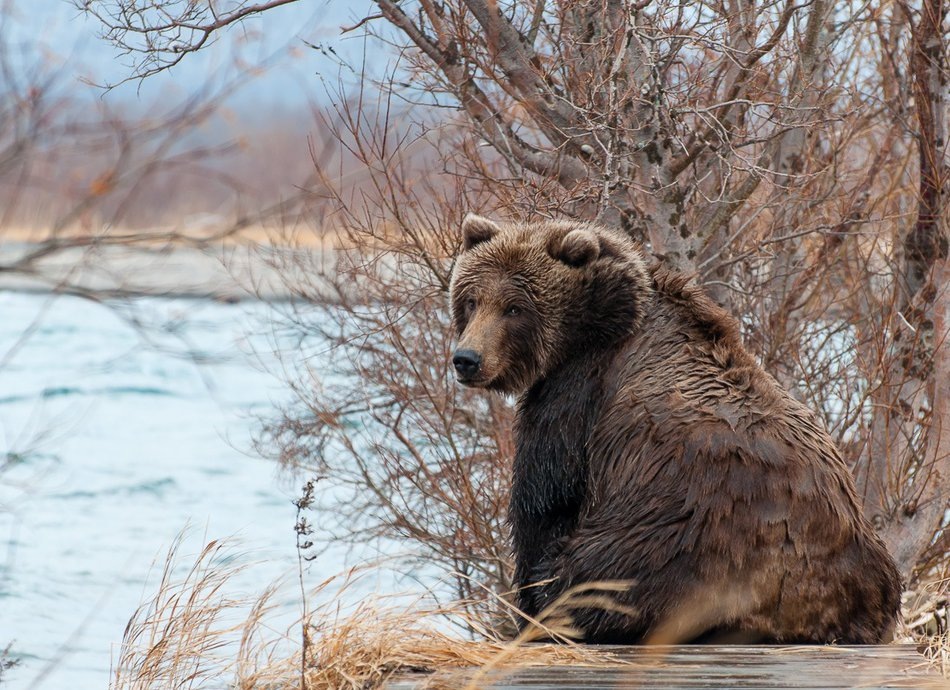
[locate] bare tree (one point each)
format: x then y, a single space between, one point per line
637 111
908 471
82 175
790 154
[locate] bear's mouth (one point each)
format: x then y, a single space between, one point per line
473 381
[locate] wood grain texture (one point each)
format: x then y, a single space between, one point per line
877 666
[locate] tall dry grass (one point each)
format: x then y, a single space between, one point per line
192 632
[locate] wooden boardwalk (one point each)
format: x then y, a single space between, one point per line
884 666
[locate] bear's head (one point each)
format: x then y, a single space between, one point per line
528 297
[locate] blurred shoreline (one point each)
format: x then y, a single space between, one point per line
226 272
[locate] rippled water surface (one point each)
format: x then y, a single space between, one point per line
121 444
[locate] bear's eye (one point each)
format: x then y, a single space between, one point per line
512 310
469 305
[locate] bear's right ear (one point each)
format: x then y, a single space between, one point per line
578 248
477 229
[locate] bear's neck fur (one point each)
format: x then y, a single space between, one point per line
614 298
556 416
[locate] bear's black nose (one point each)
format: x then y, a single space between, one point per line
466 363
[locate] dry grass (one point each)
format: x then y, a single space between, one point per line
368 645
936 650
365 650
185 232
926 620
197 233
192 634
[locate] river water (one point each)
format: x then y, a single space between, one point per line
120 442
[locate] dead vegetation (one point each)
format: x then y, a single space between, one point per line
194 632
189 631
82 176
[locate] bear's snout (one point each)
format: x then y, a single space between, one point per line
467 363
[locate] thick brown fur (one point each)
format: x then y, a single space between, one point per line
653 449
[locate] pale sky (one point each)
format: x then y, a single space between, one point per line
56 32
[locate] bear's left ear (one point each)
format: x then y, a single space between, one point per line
477 229
578 248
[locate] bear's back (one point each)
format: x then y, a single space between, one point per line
696 441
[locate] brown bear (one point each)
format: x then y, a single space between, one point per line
653 450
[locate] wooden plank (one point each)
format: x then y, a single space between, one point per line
690 667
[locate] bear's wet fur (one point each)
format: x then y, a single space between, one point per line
653 450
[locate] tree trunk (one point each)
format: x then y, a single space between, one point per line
906 478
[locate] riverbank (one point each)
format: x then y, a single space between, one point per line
226 272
